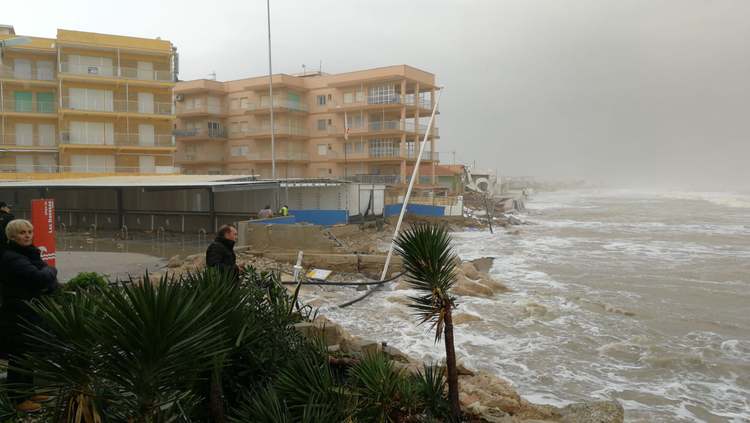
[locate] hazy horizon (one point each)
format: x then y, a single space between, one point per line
651 93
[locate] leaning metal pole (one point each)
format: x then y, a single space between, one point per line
270 94
411 185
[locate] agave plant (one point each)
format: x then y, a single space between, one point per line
430 265
382 389
430 389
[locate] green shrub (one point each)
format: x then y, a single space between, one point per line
85 281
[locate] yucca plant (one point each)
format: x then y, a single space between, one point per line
430 265
382 389
430 387
67 355
156 340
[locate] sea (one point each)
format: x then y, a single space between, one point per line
639 296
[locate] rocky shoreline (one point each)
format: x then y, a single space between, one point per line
483 395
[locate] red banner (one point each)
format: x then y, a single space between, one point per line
43 219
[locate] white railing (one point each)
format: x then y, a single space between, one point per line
34 73
24 169
374 179
27 140
117 106
290 156
119 139
266 131
28 106
200 133
200 109
116 72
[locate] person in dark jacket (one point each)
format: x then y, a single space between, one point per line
220 254
5 218
23 277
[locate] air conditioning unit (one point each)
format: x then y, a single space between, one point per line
179 97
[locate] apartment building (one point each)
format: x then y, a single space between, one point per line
363 126
86 102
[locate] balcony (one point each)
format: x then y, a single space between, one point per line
184 111
43 75
44 108
384 154
382 127
27 141
118 72
280 156
373 179
97 105
200 134
198 157
279 105
265 132
116 140
382 100
84 169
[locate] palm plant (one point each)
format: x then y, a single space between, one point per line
382 389
430 265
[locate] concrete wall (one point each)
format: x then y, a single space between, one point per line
284 237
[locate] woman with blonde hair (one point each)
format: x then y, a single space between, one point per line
24 277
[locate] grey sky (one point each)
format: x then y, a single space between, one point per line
629 91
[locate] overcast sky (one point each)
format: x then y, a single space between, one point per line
625 91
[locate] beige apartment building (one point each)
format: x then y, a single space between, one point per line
86 103
364 125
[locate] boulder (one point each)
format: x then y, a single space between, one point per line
175 261
468 269
593 412
469 287
463 318
483 265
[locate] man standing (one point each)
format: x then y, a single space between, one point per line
220 254
5 217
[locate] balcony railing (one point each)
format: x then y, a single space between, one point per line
28 106
29 74
281 130
116 72
374 179
117 106
117 140
200 133
277 104
84 169
374 153
27 140
183 109
197 156
403 99
289 156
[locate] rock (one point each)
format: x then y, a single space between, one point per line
463 318
468 269
468 287
175 261
395 354
496 286
463 371
483 265
371 348
593 412
467 399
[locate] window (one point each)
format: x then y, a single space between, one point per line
322 149
45 102
384 147
321 100
239 151
348 98
244 103
355 121
382 94
23 101
244 127
321 125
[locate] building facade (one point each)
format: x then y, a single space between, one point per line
86 103
362 126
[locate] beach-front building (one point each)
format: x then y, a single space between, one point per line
86 103
363 125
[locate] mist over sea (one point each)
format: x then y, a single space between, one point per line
634 295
